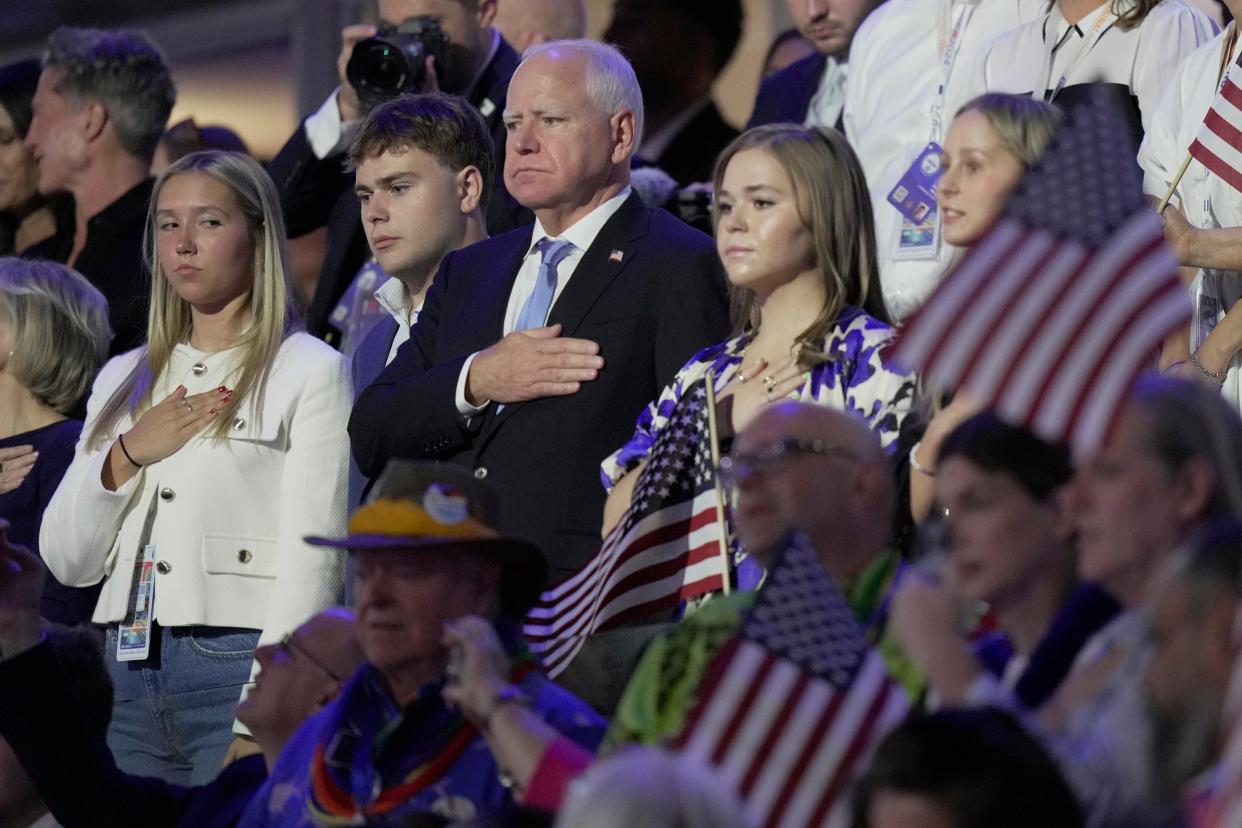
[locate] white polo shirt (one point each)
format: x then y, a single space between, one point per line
895 74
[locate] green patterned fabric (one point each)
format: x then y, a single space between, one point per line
661 693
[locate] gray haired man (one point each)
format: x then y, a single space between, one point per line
102 102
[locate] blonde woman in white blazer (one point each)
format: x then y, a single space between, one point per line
209 452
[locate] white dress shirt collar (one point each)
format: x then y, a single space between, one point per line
582 233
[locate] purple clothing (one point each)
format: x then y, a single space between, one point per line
23 509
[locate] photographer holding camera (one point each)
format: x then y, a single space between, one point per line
420 46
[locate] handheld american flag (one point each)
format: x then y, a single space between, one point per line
664 551
791 708
1218 145
1050 317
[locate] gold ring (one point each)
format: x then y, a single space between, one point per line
769 382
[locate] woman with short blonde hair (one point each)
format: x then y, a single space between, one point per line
209 453
53 337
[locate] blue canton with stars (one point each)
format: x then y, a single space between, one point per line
801 615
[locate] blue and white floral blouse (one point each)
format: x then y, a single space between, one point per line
855 378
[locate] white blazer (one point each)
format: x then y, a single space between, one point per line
226 517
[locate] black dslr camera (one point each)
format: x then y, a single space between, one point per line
394 61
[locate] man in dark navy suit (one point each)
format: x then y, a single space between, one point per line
315 189
536 350
56 699
812 90
423 175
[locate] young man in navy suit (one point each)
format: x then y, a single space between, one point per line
536 350
316 191
423 175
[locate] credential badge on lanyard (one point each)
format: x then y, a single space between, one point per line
133 640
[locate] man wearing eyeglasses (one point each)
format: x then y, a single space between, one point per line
795 467
66 757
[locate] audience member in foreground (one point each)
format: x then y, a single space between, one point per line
1194 657
793 229
1010 528
426 554
1172 464
59 737
796 467
207 454
86 700
53 338
650 787
963 769
99 110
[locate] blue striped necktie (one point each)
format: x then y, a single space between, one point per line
534 313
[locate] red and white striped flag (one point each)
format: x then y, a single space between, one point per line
665 550
1051 316
792 707
1219 143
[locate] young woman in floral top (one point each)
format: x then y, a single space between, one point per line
795 232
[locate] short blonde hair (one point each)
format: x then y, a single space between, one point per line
57 327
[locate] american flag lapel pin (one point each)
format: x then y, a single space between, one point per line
616 256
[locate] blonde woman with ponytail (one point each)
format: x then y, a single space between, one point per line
207 455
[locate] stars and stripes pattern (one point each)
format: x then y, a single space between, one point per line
1218 146
665 550
792 707
1050 317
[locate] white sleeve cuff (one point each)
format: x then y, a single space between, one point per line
326 132
464 408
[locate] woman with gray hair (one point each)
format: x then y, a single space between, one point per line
53 337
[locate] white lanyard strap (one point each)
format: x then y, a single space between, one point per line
1102 24
950 44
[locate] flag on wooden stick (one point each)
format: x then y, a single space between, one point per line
792 707
1051 316
665 550
1218 145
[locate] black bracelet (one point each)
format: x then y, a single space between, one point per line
120 439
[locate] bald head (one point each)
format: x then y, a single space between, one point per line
334 634
818 470
299 676
526 23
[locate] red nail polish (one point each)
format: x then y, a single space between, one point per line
222 388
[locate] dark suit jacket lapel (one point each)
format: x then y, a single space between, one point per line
600 265
603 261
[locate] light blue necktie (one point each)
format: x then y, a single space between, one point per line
535 312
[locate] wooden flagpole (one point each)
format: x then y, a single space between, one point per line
726 570
1226 52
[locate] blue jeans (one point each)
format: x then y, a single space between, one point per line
172 716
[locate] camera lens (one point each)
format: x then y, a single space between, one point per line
380 68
